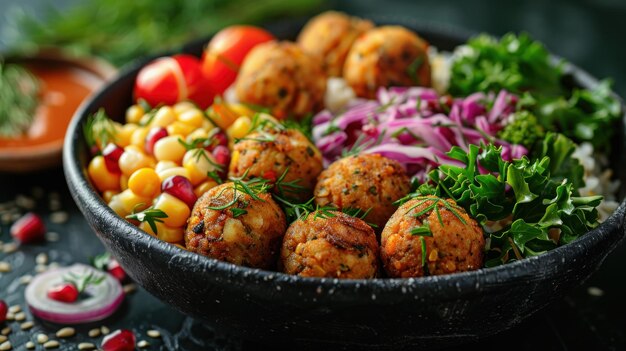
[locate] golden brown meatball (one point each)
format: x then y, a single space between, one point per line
335 247
453 241
279 75
387 56
365 182
330 36
269 153
237 229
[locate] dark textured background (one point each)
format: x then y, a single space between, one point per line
588 33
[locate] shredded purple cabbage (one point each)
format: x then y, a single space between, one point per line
416 126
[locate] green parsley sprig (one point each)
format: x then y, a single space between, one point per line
150 215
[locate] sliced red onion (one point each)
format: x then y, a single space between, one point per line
104 298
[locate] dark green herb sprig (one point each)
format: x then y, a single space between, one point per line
19 98
532 198
240 185
121 31
150 215
101 261
361 144
99 129
82 281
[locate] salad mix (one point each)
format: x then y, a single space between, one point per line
318 157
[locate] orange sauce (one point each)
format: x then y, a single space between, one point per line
63 88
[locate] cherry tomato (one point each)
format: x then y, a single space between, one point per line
168 80
226 51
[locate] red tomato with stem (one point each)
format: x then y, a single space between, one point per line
226 51
171 79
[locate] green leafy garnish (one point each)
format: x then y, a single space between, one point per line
531 198
82 281
523 66
19 98
101 261
150 216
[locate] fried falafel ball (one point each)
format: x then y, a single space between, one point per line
452 241
230 225
387 56
271 152
369 182
281 76
330 35
332 245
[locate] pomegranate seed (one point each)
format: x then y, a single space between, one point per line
29 228
181 188
154 135
112 155
3 311
64 292
221 154
114 268
119 340
220 139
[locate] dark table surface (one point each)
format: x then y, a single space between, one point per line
591 317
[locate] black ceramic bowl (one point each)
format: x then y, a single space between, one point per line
271 306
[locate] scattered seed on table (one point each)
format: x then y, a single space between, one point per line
40 268
10 317
5 267
25 202
5 218
54 205
65 332
595 291
41 258
52 236
104 330
59 217
15 309
5 346
129 288
25 279
53 265
86 346
94 333
52 344
20 316
143 344
2 339
42 338
9 248
30 345
154 334
5 331
27 325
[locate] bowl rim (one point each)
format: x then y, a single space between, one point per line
90 201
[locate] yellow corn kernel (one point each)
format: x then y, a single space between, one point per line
179 128
126 202
181 171
199 162
108 195
234 158
207 125
138 138
177 211
99 174
134 114
123 182
222 115
240 128
183 106
163 117
132 159
241 109
193 117
163 165
169 149
145 182
124 134
163 232
203 187
199 133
